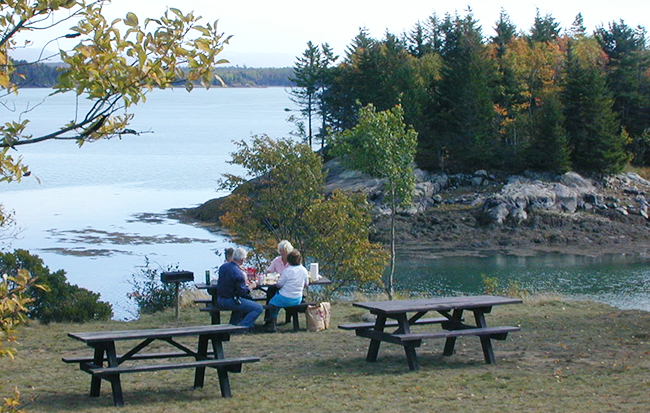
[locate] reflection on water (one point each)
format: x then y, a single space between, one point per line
619 280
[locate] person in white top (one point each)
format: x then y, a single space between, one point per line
290 286
279 263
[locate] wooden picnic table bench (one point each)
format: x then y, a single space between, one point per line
106 364
291 313
452 323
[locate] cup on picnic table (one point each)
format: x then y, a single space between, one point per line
313 271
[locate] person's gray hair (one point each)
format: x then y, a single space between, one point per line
239 255
285 246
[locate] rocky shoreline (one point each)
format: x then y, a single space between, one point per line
480 214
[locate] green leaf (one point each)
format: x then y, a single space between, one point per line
131 20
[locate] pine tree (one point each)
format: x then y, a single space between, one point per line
627 70
306 74
505 31
354 81
545 28
578 28
416 40
435 29
377 72
549 148
595 139
463 120
324 82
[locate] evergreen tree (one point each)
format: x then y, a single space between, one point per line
628 77
435 30
505 31
463 109
545 28
595 139
324 82
377 72
549 148
578 28
306 74
354 81
417 43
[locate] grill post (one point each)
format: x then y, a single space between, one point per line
177 277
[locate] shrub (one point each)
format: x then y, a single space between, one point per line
513 289
13 299
63 301
149 293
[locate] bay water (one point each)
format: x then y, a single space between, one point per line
99 210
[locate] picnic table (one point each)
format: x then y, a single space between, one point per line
453 325
269 291
106 364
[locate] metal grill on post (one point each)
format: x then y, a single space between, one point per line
177 277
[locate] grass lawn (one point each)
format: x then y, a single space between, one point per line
569 357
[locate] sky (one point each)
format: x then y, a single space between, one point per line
272 33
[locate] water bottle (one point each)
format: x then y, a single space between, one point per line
207 276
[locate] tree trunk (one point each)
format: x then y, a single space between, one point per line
310 105
322 134
393 207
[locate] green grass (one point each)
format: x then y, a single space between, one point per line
568 357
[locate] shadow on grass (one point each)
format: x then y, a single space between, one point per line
396 364
149 397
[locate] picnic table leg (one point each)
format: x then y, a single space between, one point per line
486 343
96 381
215 317
411 357
270 292
373 349
409 348
222 373
450 342
199 373
293 314
116 382
287 319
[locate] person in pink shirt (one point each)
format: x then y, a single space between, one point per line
280 263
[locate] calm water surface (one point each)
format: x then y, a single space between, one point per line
619 280
86 214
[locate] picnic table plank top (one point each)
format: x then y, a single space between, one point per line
435 304
98 336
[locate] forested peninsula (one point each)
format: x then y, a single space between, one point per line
45 75
528 141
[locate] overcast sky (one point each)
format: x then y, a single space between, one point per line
273 33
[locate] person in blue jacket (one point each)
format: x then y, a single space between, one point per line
233 292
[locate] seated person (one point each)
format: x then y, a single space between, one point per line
233 293
228 252
280 263
290 285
